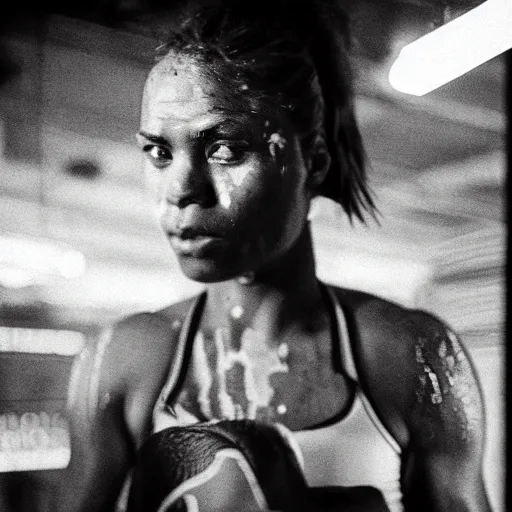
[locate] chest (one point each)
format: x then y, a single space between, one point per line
353 452
291 381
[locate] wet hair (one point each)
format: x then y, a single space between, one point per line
289 55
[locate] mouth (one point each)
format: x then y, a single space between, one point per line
192 243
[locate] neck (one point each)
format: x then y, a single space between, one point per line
279 296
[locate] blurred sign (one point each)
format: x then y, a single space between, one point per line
41 341
33 441
35 366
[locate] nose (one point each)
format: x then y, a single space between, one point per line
187 182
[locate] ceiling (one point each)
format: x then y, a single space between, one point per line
437 168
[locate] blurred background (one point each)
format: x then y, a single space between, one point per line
79 245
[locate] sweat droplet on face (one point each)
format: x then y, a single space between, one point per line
275 141
238 175
224 193
225 199
225 187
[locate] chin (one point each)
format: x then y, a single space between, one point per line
207 271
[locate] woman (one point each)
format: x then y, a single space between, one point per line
246 117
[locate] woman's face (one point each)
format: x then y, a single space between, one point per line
230 186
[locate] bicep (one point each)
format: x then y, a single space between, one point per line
97 470
443 460
443 482
100 447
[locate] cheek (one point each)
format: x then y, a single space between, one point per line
248 193
240 188
281 188
248 186
268 204
225 188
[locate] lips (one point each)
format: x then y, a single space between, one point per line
191 233
192 242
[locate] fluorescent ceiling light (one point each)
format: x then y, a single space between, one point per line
453 49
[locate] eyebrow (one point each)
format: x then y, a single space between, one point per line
157 139
223 126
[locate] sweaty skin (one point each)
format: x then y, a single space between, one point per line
211 170
233 189
444 379
236 372
239 191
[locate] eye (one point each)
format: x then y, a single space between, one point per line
226 153
159 155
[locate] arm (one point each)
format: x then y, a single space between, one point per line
100 446
442 462
113 389
425 390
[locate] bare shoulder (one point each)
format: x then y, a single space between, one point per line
416 369
386 331
113 388
140 342
126 352
145 329
117 378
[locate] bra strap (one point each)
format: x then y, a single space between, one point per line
349 366
347 358
179 363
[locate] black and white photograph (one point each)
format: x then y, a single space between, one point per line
252 255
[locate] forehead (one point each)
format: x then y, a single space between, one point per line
177 83
181 82
181 98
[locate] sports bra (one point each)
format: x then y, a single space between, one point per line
352 449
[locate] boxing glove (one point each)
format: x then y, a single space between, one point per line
225 466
